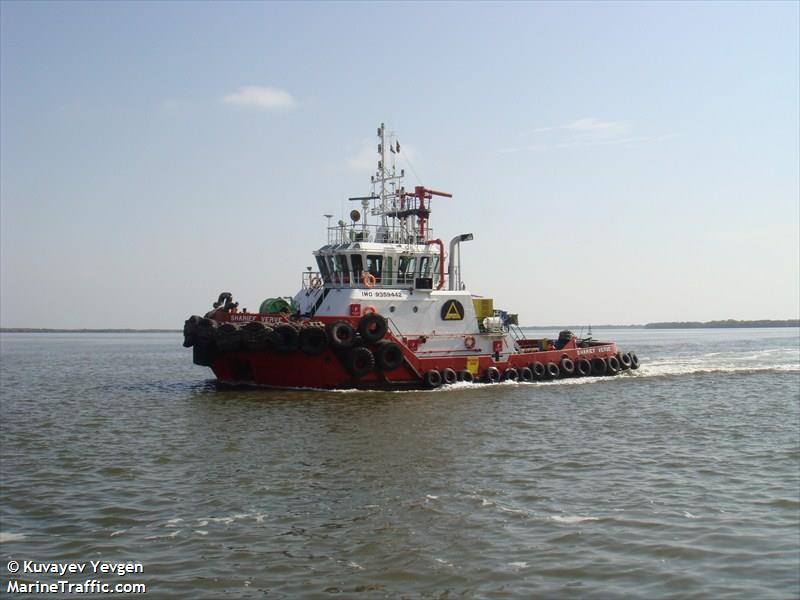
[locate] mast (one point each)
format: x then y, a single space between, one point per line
382 173
386 177
408 211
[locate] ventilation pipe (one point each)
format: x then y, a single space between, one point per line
464 237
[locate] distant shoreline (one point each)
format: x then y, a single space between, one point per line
727 324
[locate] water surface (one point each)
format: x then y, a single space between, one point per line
681 480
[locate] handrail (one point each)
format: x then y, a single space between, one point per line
393 325
383 234
516 332
396 283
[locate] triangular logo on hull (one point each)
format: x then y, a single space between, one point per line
452 311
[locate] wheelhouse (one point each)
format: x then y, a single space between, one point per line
389 265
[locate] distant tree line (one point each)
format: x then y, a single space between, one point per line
728 323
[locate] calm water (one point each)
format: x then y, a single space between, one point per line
681 480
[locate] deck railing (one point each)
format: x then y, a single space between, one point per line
390 234
314 279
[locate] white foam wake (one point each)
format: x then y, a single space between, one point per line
571 519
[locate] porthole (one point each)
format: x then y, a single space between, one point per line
391 309
416 309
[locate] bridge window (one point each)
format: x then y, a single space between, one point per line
358 266
424 266
332 269
405 272
323 269
342 268
374 265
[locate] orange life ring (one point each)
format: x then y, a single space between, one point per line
316 282
368 309
369 280
469 342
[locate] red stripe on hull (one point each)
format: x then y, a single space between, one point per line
298 370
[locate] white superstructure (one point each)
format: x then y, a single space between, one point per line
385 259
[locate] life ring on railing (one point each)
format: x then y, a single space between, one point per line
316 282
469 342
368 309
369 280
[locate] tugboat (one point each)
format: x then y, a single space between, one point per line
386 309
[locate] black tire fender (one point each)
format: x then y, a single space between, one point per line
313 340
229 338
388 355
492 375
372 327
538 370
255 335
583 367
206 329
190 331
341 335
432 378
359 361
599 366
567 367
286 338
553 372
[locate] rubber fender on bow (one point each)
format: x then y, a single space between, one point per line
206 329
226 329
510 374
313 340
613 365
190 331
286 338
230 338
525 375
256 336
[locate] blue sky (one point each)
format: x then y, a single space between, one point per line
617 162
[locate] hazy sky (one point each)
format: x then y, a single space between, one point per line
617 163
